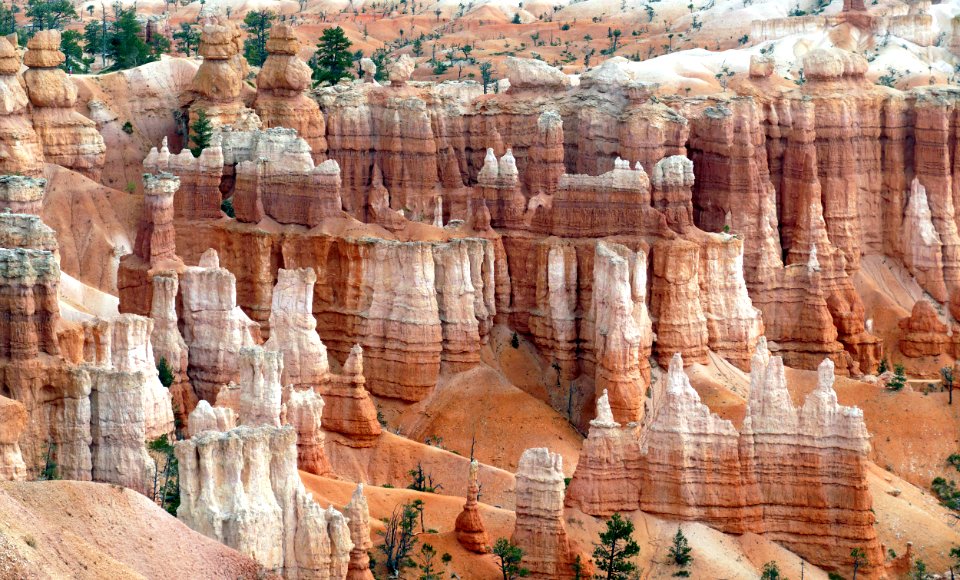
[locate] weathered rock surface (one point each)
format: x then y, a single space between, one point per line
214 327
358 517
199 194
540 530
242 489
469 525
22 194
68 138
922 333
21 152
794 474
218 84
281 91
303 411
13 420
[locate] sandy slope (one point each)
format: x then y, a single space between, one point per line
71 529
482 402
95 225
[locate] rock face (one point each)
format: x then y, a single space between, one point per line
168 343
303 411
922 333
921 242
207 418
13 418
293 330
68 138
214 327
21 152
350 410
623 334
797 475
84 401
199 194
22 194
276 177
242 489
218 83
469 525
606 479
540 530
281 91
155 248
260 390
358 516
681 325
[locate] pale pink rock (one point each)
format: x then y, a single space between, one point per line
540 530
358 516
303 411
242 489
215 328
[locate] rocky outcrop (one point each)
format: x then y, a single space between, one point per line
303 411
921 243
218 84
207 418
672 194
68 138
260 391
358 516
677 308
469 525
21 152
734 325
623 334
922 333
796 475
281 91
155 248
607 477
214 327
22 194
350 410
13 420
276 177
242 489
199 194
540 530
293 330
168 343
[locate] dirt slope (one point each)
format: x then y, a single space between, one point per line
82 530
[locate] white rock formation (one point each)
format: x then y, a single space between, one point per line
242 489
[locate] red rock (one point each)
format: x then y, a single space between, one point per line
69 139
540 530
469 525
675 296
922 333
281 91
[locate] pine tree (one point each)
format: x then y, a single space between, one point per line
486 74
124 44
399 539
187 38
165 372
615 550
49 14
899 379
70 46
257 24
8 23
333 59
509 557
201 132
771 572
680 553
